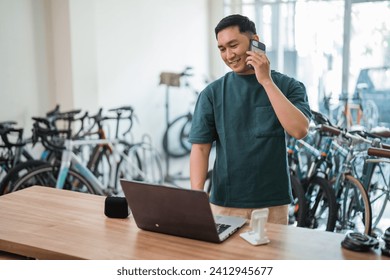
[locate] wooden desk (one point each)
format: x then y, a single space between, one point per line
46 223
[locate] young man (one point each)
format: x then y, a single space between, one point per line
247 112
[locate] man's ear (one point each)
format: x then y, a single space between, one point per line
256 37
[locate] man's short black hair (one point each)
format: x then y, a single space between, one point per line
243 23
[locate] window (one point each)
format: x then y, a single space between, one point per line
305 39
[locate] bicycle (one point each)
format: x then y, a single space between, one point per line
73 174
312 192
376 179
180 126
372 173
99 156
12 152
326 169
19 159
175 139
354 207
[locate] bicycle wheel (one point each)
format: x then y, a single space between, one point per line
124 170
379 191
354 213
321 205
141 163
47 176
209 181
99 164
185 134
298 208
17 172
172 140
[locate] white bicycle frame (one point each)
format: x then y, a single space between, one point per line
70 158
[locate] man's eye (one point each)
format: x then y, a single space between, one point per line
234 46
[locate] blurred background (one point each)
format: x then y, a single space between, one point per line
91 54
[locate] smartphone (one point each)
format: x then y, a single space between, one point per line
257 46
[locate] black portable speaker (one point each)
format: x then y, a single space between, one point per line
116 207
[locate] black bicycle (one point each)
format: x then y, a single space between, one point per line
175 140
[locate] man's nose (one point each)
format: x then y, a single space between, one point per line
230 54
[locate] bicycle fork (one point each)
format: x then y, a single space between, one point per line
65 164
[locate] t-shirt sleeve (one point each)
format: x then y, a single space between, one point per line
203 123
298 96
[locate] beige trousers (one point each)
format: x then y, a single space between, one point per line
276 215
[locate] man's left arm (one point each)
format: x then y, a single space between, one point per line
291 118
294 122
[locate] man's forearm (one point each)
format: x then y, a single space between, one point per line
199 163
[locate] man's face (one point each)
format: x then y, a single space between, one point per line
233 46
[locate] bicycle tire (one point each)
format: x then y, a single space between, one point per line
378 192
354 207
185 134
321 205
175 148
47 176
209 181
121 171
298 208
6 185
142 164
100 165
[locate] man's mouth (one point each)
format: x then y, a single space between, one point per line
234 62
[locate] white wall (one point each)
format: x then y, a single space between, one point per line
99 53
24 79
136 41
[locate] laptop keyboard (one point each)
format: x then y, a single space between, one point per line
222 227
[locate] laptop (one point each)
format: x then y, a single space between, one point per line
177 211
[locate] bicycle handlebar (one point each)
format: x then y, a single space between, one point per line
99 118
330 129
51 138
378 152
130 117
53 112
358 138
7 124
320 118
4 136
67 116
122 109
186 72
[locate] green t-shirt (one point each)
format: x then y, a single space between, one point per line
250 169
